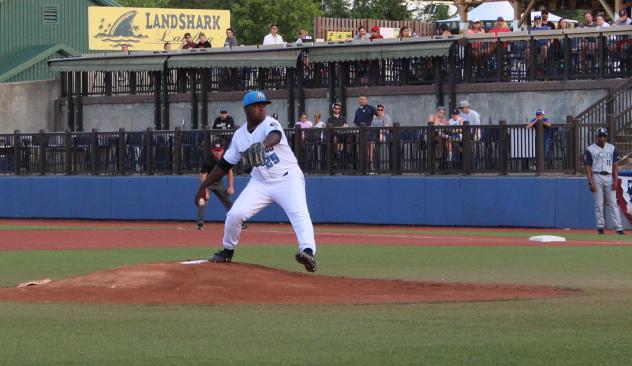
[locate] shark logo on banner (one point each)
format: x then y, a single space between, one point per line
624 196
148 29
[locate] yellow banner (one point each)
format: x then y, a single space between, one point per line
148 29
339 36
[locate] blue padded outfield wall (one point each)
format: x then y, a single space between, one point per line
560 202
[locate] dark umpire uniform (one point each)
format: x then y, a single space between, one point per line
218 188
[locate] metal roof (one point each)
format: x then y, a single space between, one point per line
16 63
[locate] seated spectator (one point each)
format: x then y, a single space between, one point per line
623 18
445 30
438 117
456 136
361 35
472 117
500 27
303 121
125 48
273 37
203 43
303 36
404 32
230 40
166 46
336 119
545 20
318 123
601 22
375 33
187 42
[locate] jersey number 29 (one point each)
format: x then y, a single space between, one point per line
271 160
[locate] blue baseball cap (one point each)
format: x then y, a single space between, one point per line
601 131
255 97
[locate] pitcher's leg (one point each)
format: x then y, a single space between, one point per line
290 195
253 199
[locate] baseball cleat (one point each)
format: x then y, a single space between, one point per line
601 231
244 226
620 232
223 256
307 260
200 226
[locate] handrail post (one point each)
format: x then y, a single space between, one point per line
120 157
68 152
432 151
94 145
177 168
149 142
539 148
396 162
467 148
612 128
503 148
42 151
331 149
574 142
362 148
17 149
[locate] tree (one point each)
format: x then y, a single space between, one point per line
381 9
336 9
251 19
179 4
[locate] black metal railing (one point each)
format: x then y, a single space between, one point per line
488 149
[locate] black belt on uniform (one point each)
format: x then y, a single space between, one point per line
602 173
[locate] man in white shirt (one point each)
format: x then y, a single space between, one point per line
273 37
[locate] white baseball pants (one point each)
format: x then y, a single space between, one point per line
288 192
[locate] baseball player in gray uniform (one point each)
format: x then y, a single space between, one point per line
275 177
601 159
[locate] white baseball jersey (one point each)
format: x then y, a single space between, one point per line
280 159
601 159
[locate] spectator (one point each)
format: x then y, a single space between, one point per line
166 46
381 119
218 188
273 37
230 40
375 33
445 30
224 121
588 20
563 24
468 114
476 27
500 27
404 32
438 117
456 136
548 132
125 48
602 171
545 20
303 121
318 123
538 24
303 36
187 42
361 35
543 43
365 112
601 22
623 18
203 42
336 119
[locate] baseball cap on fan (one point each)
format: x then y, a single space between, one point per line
255 97
539 112
217 146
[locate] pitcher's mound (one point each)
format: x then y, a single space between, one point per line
240 283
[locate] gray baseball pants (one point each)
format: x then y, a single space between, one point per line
603 192
222 193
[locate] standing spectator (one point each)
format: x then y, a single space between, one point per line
602 171
375 33
361 35
480 50
601 22
548 132
381 119
563 24
224 121
445 30
230 40
187 42
125 48
623 18
166 46
336 119
303 121
538 24
588 20
476 27
543 44
203 43
303 36
273 37
438 118
472 117
365 112
404 32
318 123
545 20
217 151
500 27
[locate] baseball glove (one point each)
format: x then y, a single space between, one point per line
254 156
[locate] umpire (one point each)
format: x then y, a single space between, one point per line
217 151
601 159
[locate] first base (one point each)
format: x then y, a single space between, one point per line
546 238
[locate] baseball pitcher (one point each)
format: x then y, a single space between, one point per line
275 177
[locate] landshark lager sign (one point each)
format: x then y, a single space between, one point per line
148 29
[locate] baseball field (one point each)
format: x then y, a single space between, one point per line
382 295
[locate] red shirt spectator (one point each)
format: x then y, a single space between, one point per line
188 42
500 27
375 33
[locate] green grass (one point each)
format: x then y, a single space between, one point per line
593 328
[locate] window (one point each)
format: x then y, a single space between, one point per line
50 14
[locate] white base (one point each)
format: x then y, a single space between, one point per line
546 238
197 261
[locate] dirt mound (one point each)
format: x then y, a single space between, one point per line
239 283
